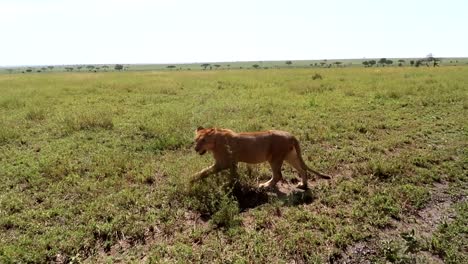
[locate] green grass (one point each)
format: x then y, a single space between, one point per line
96 166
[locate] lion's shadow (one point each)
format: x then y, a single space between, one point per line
250 197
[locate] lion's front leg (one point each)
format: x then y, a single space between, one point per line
233 176
205 172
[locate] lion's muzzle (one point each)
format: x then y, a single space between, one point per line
200 151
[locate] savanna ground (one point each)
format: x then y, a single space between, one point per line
95 167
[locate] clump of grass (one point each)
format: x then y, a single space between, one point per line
213 197
159 137
393 251
414 196
312 102
205 196
393 95
317 76
11 103
350 93
450 240
7 134
378 209
386 204
304 88
227 215
89 121
386 169
35 114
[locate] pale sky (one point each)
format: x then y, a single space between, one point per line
45 32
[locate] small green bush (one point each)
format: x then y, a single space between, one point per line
228 214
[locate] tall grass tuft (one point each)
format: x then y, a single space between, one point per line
89 121
35 114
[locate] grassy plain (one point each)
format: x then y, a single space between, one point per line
94 167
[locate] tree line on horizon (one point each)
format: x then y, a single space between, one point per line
428 61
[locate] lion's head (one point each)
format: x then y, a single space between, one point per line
204 140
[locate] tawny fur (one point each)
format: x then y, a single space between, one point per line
230 148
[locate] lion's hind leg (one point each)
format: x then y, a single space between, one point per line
277 175
293 160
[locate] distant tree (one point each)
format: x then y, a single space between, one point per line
418 63
256 66
29 70
105 67
118 67
69 69
90 67
383 61
338 63
171 67
411 62
217 66
372 63
431 58
436 62
400 64
389 62
322 63
79 67
205 65
43 68
365 63
288 62
401 61
50 67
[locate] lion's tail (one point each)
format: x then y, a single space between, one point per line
304 165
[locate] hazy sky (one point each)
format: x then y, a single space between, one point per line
37 32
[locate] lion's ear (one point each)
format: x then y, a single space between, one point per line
199 128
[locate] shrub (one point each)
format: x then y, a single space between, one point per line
317 76
228 214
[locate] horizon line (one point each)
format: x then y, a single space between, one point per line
210 62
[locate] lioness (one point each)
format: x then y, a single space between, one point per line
229 148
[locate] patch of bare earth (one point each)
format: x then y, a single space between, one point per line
423 222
